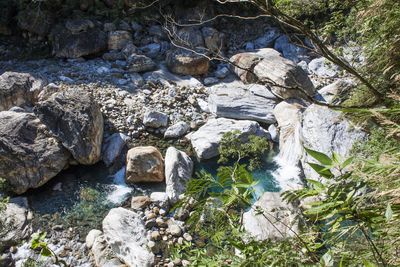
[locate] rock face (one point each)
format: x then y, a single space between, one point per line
186 63
69 45
324 129
205 140
17 218
113 146
279 214
178 171
29 155
238 103
125 232
18 88
144 164
286 79
75 119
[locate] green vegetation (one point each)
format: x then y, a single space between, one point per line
38 242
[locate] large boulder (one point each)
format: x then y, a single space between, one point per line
139 63
206 139
178 171
68 45
186 63
18 88
29 154
16 222
289 50
144 164
324 130
238 103
285 78
279 216
74 118
125 232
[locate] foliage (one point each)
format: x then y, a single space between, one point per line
4 224
38 242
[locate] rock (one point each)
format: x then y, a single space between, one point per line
144 164
186 63
158 31
29 155
125 232
324 130
187 237
176 130
155 235
101 253
181 213
78 25
139 63
150 223
222 72
117 40
213 39
210 80
18 88
151 50
108 27
75 119
284 73
113 146
35 20
16 221
249 46
160 199
113 56
237 103
136 26
178 171
155 119
68 45
290 51
268 39
161 223
129 50
279 214
274 133
323 68
140 202
175 230
190 37
91 237
205 140
153 247
335 93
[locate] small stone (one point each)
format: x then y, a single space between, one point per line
155 235
165 238
13 249
185 263
177 262
151 215
222 73
187 237
156 210
180 241
161 223
140 202
171 264
150 223
175 230
153 247
210 81
163 212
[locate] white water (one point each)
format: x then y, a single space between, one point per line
119 189
291 149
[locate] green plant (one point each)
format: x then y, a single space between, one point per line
38 242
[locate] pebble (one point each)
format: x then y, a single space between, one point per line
187 237
175 230
155 235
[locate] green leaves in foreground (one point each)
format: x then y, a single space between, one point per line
38 242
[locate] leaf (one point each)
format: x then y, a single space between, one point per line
316 185
348 162
321 157
327 259
367 263
321 170
336 157
388 213
45 252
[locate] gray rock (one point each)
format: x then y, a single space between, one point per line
322 67
125 232
91 237
18 88
136 26
237 103
249 46
335 93
139 63
270 66
222 72
190 37
29 154
274 133
210 81
290 51
186 63
140 202
324 130
176 130
178 171
78 25
74 118
175 230
268 39
117 40
155 119
102 253
151 50
113 146
68 45
205 140
113 56
279 214
160 199
213 40
144 164
158 31
16 218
